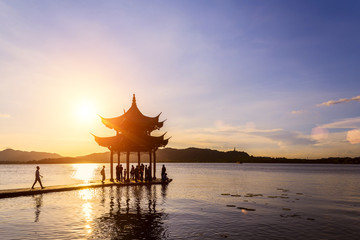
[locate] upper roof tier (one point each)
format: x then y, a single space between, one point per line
133 121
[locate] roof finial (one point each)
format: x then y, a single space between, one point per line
134 100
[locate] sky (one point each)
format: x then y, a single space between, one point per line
271 78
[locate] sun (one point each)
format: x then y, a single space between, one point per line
85 111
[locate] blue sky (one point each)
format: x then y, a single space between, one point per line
272 78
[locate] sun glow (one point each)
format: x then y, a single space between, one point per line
85 172
86 111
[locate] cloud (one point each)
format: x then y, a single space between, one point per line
342 100
245 135
319 133
285 137
4 115
344 123
297 112
350 128
353 136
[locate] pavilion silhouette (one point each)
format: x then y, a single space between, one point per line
133 134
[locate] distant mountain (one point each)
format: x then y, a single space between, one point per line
200 155
10 155
162 155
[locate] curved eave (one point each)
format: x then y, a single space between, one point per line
122 124
132 142
109 142
159 141
133 117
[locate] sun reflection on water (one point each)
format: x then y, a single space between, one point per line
84 172
87 209
86 195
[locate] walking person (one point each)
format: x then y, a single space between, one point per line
37 178
103 174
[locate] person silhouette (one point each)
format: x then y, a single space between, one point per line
121 171
37 178
163 173
103 174
118 173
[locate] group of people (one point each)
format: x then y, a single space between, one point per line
136 173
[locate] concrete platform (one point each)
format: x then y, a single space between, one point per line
8 193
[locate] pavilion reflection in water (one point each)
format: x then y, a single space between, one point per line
128 212
133 214
133 134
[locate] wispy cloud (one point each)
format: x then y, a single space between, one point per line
342 100
285 137
297 112
4 115
246 135
349 131
344 123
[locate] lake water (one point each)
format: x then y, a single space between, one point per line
204 201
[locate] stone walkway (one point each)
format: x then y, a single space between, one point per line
61 188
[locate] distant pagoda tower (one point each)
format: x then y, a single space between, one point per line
133 134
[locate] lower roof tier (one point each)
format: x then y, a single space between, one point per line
132 142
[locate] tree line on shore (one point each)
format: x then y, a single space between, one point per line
165 155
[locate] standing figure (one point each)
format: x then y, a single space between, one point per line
118 173
103 174
142 172
37 178
132 172
121 172
163 173
149 174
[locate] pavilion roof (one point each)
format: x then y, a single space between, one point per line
133 121
132 142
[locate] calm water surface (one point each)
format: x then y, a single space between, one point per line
204 201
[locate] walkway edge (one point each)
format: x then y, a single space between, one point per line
9 193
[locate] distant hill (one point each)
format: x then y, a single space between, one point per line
10 155
162 155
200 155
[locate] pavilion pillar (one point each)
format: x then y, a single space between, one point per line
118 153
111 166
150 162
127 165
139 159
154 164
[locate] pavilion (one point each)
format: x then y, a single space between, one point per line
133 134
